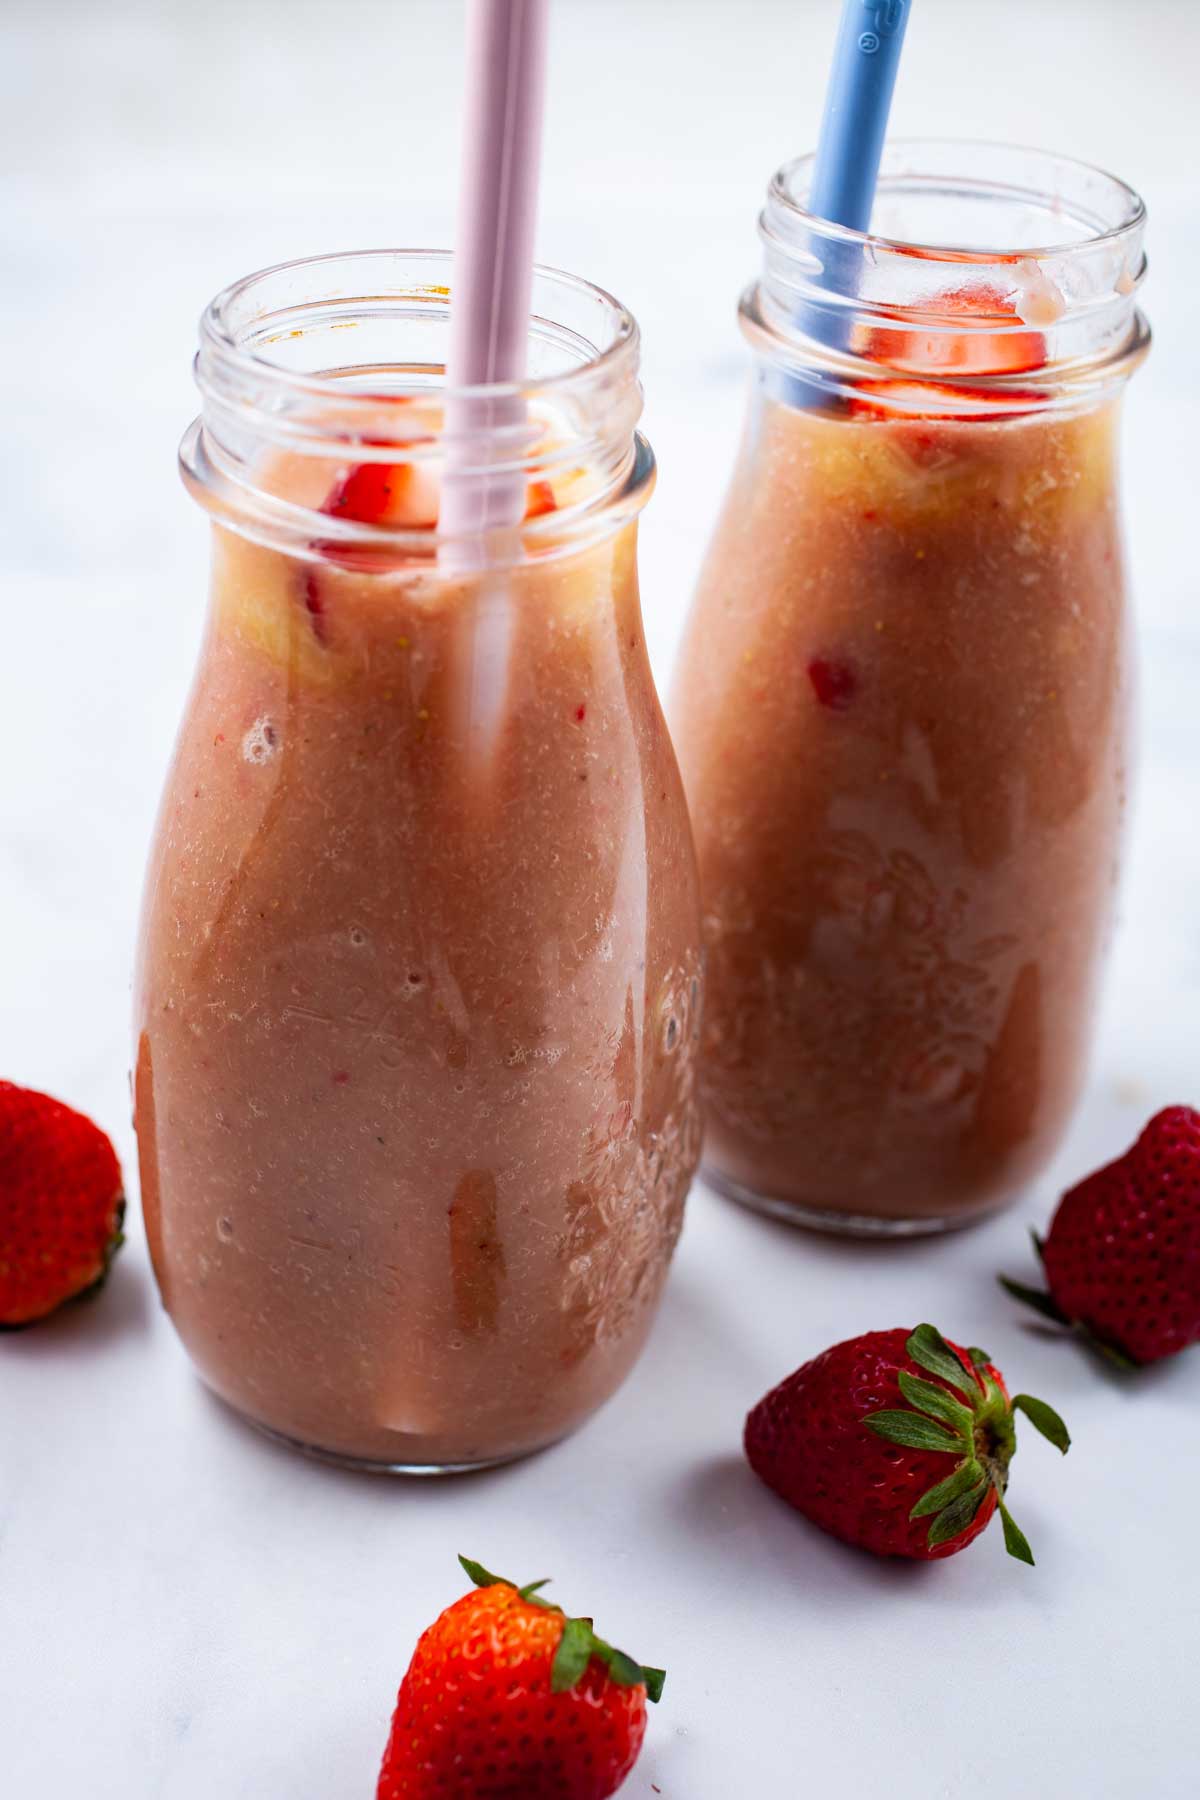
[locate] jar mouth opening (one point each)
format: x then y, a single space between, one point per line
1103 208
580 334
327 417
985 264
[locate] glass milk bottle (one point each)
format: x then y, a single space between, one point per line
901 708
419 976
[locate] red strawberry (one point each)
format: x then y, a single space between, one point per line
406 495
867 1446
834 683
540 500
1005 351
508 1699
909 400
373 493
927 354
396 496
61 1205
1122 1258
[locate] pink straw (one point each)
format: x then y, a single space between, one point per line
493 264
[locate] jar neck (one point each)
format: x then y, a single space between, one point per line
327 426
995 280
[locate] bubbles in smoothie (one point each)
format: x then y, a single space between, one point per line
260 742
225 1229
358 937
606 928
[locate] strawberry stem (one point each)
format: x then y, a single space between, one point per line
1049 1309
1034 1297
1015 1541
578 1643
978 1429
1043 1418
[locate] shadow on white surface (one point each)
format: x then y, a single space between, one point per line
258 1440
724 1499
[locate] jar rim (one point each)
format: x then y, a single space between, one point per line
1132 217
276 374
221 337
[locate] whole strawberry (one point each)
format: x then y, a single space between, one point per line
61 1205
508 1699
898 1442
1122 1257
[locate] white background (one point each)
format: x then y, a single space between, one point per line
188 1613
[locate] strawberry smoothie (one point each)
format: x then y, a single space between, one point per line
419 986
901 710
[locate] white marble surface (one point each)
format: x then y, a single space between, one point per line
186 1611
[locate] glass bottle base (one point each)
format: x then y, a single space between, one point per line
367 1465
839 1224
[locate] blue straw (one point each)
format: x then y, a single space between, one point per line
846 167
861 84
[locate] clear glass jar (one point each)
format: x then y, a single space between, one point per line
901 706
419 975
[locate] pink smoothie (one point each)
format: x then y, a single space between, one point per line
901 715
418 1021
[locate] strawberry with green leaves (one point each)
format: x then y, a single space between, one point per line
506 1696
898 1442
